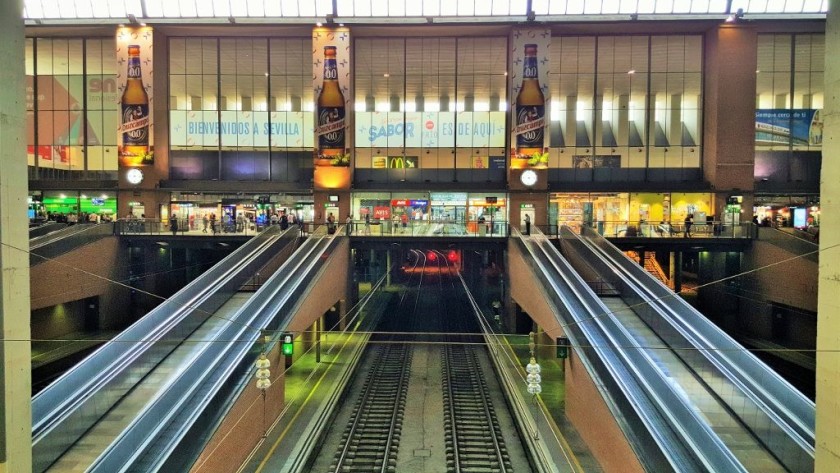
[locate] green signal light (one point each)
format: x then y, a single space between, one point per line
288 348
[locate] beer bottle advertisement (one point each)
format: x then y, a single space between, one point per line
331 83
529 57
134 55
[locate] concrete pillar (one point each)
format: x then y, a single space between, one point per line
731 57
15 353
676 270
642 258
828 318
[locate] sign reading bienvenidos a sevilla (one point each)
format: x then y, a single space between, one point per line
134 81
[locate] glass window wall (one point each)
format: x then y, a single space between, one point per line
436 102
71 104
241 108
626 102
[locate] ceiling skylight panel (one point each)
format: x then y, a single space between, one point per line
322 7
289 8
272 9
256 8
84 9
67 9
362 8
431 7
574 7
154 8
396 7
34 9
187 8
51 9
448 8
776 6
540 7
414 8
466 7
593 8
664 7
754 6
171 9
646 6
794 6
306 8
610 7
484 8
238 8
221 8
134 7
682 6
518 7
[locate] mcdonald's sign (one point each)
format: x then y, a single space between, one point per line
402 162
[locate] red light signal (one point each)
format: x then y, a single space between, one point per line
452 256
432 256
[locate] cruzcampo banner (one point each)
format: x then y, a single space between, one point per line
797 127
135 74
529 96
332 83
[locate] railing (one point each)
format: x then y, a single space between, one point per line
665 432
151 226
173 429
426 228
777 414
68 238
625 229
67 408
789 242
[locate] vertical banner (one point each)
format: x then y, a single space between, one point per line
331 80
529 97
134 79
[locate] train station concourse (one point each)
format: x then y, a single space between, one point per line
419 236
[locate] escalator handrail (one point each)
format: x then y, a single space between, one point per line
213 365
109 373
783 404
702 443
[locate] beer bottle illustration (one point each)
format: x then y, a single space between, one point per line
530 109
135 114
330 128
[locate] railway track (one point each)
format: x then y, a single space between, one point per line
474 442
372 439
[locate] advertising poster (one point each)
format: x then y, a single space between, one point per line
135 74
61 123
597 161
797 127
529 96
191 128
331 80
430 129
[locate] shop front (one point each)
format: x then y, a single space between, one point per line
85 207
630 214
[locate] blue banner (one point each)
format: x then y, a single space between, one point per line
797 127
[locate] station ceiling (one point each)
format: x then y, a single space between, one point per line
408 11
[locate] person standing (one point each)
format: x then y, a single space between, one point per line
204 221
284 221
367 223
348 228
173 224
689 220
527 224
330 223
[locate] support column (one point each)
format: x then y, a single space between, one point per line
828 310
642 256
15 353
676 268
